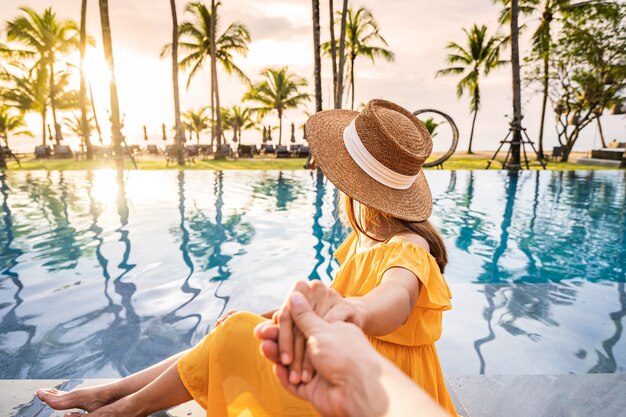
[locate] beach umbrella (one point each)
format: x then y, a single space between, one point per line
269 133
304 133
145 133
164 135
293 133
264 134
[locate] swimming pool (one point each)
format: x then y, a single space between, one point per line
103 273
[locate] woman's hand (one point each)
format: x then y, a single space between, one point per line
224 317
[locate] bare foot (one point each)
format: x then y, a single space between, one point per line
88 399
116 409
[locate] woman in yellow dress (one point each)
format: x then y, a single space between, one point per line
390 284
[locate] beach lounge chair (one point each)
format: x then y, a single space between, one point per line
245 151
294 149
282 152
192 150
223 152
63 152
255 150
303 151
268 149
152 150
557 152
42 151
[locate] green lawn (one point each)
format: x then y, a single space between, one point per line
462 161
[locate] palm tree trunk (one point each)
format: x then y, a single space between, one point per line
342 54
601 132
3 162
316 55
333 50
178 138
214 72
516 124
280 128
116 129
57 129
544 103
43 125
95 116
469 148
84 120
352 59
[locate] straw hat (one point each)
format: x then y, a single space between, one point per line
375 157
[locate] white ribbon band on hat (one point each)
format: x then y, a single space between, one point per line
371 165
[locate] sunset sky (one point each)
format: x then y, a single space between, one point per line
416 30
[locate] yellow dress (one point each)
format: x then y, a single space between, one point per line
227 375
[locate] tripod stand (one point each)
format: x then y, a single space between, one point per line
525 141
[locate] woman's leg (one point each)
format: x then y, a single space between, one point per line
92 398
164 392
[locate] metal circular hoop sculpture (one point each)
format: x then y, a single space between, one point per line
455 137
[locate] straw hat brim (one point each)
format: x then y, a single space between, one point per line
324 131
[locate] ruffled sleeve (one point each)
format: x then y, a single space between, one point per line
344 249
434 291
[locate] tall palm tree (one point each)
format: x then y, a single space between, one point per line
548 11
317 55
516 123
482 53
179 135
333 48
11 123
28 92
279 91
197 120
116 126
238 119
85 130
361 31
47 39
196 42
342 54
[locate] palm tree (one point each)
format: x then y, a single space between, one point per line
542 42
481 54
316 55
238 118
28 92
342 54
47 39
10 123
75 125
85 134
333 49
196 41
116 127
197 120
280 91
361 31
179 136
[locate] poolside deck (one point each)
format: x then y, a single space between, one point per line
591 395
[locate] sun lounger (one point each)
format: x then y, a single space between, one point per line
63 152
282 152
223 152
303 151
152 150
268 149
245 151
42 151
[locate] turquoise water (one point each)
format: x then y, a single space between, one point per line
103 273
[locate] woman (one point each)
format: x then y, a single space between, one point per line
390 284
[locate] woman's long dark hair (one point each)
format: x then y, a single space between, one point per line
375 219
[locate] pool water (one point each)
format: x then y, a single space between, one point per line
103 273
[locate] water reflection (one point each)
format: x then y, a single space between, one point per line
106 272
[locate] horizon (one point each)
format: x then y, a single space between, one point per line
281 35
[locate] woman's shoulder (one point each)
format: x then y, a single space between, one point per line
410 237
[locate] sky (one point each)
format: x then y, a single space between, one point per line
417 31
